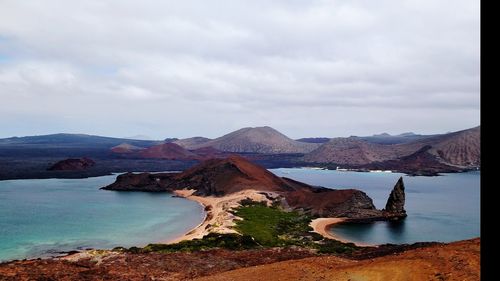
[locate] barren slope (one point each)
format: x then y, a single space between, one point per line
257 140
460 148
455 261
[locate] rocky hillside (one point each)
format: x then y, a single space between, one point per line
455 261
256 140
421 162
222 177
350 151
460 149
167 151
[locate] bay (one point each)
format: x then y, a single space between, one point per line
444 208
41 217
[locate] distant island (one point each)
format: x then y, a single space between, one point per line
409 153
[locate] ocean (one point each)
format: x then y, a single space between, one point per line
42 217
444 208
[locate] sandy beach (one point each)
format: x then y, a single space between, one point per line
218 219
322 225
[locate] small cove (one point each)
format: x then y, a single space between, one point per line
444 208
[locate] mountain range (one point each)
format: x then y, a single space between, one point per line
457 149
408 152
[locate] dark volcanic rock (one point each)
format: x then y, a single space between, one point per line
325 202
396 202
141 182
72 164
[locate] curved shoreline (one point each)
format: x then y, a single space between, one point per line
218 219
323 225
184 236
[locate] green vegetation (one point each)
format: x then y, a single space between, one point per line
261 226
274 227
212 240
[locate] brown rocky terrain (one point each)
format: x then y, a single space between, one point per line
461 148
431 261
72 164
351 151
220 177
421 162
170 151
210 152
256 140
454 261
447 152
224 176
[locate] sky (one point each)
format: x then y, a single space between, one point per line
205 68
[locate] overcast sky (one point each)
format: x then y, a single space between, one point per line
186 68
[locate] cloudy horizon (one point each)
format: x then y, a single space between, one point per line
306 68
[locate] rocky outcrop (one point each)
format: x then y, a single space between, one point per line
325 202
72 164
220 177
396 203
148 182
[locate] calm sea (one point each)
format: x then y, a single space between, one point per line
444 208
43 217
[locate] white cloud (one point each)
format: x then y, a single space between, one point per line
308 68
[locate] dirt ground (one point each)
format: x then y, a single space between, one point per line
455 261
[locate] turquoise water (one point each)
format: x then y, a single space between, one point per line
43 217
444 208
